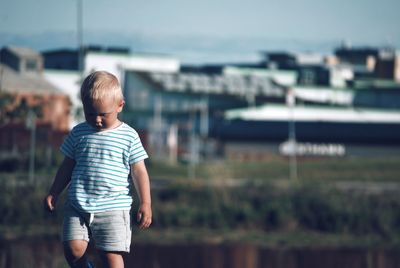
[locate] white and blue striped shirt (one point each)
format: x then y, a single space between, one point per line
100 180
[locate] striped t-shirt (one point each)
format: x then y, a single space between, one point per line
100 180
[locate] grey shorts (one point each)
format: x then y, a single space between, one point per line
111 230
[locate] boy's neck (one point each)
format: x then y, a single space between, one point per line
114 126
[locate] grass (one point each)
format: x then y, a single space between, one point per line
171 184
367 169
286 239
273 239
351 169
309 170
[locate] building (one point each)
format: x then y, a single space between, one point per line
388 65
118 63
24 92
192 102
62 69
22 60
61 59
68 82
182 92
312 69
319 131
69 59
174 105
363 59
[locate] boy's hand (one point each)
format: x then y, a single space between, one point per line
144 215
50 202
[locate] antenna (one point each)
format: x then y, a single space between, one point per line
79 25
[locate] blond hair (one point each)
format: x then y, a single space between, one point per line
101 85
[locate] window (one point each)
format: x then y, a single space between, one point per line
31 65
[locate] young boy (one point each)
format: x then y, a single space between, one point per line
100 154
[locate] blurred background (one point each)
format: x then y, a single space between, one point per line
273 127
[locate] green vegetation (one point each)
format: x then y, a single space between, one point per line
372 169
266 208
334 202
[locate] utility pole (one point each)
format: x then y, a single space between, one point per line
79 19
204 118
193 146
291 103
31 124
156 140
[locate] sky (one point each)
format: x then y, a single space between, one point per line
220 25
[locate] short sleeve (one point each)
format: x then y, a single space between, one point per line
67 147
137 152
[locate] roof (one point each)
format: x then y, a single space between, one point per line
239 85
359 52
62 51
376 83
15 82
325 95
24 52
321 114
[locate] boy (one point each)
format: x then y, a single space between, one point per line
100 154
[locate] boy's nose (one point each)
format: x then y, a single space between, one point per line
98 121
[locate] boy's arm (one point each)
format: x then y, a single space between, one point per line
61 180
142 185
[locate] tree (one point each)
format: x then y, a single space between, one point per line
13 110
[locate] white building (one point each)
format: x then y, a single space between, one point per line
117 63
69 81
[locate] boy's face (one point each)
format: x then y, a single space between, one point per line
103 114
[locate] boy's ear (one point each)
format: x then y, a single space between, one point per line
121 106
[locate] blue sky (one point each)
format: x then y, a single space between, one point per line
361 22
